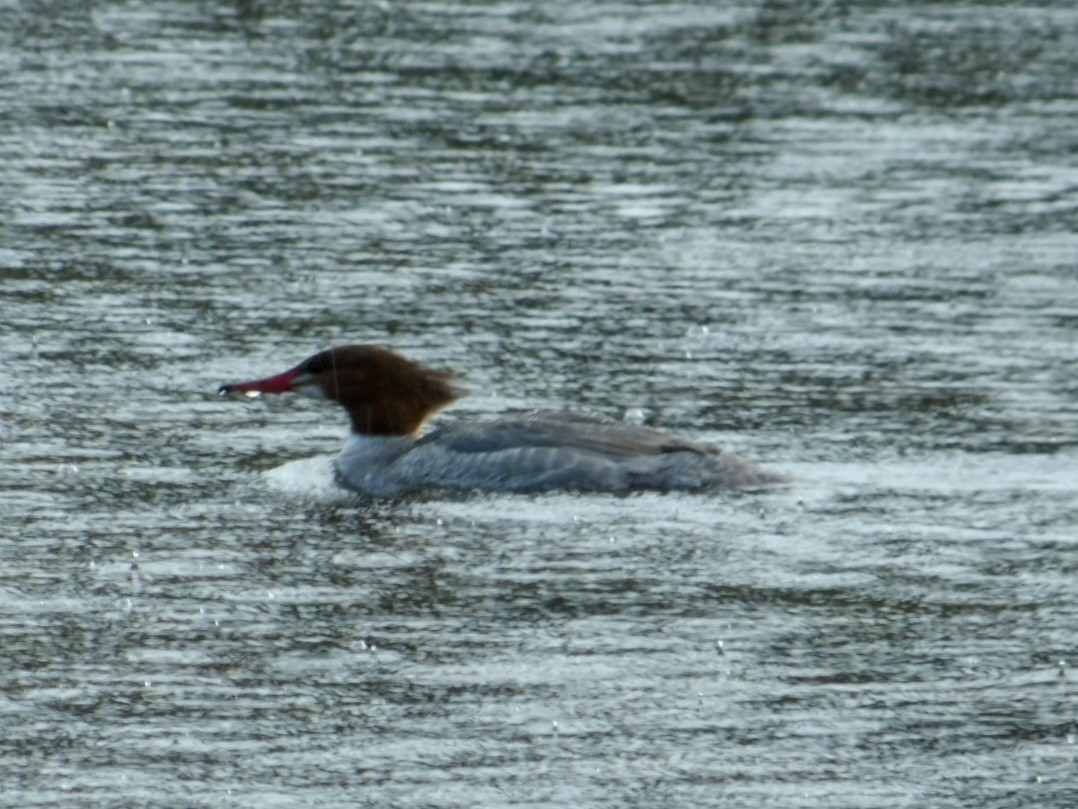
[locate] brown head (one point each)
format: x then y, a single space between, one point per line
384 393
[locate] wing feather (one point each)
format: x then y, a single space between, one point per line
603 437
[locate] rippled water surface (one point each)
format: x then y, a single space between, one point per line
839 239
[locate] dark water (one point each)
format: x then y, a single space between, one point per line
837 238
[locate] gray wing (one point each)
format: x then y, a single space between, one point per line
609 439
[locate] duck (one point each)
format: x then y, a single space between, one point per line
389 398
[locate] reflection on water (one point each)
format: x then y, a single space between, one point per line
836 239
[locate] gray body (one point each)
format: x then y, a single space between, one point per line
538 453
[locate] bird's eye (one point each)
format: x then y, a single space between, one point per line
315 365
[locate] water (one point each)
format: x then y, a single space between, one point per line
837 239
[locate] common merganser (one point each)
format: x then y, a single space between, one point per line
389 397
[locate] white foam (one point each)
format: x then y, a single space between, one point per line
308 477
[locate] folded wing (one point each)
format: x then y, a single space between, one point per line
566 431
